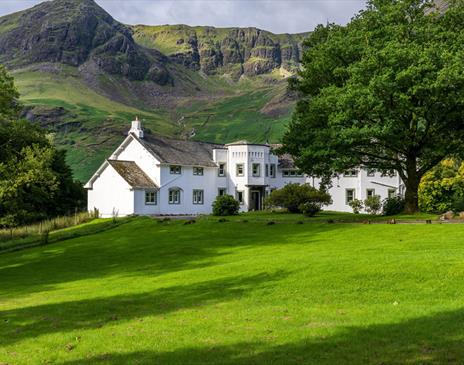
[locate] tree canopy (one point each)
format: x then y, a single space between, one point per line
35 181
385 91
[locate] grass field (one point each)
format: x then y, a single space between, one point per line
238 292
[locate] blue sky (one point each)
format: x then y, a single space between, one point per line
279 16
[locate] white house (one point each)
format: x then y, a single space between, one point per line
155 175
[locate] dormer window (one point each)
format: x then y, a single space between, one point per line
175 170
198 171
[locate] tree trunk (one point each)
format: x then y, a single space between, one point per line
411 196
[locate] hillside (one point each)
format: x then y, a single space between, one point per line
240 292
84 76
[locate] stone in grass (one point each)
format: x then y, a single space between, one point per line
270 223
222 220
299 222
191 221
447 216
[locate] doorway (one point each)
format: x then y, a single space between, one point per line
255 200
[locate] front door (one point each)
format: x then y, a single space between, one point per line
255 200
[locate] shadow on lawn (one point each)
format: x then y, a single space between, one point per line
436 339
29 322
141 247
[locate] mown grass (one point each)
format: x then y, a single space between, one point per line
238 292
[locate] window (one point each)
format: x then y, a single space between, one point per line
198 171
391 193
256 169
150 198
351 173
174 196
370 193
389 173
239 169
349 196
272 170
222 191
197 196
291 173
222 169
175 170
266 170
371 172
240 197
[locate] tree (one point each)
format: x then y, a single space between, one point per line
442 186
386 91
35 181
226 205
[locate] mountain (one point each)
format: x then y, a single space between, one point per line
84 76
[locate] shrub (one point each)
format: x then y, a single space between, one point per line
373 205
356 205
294 196
458 204
392 206
309 209
225 205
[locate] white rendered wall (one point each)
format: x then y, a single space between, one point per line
111 193
141 208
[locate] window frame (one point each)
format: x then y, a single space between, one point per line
370 190
391 190
223 164
175 169
258 172
198 171
155 197
242 193
197 201
242 165
353 196
371 172
272 170
222 189
348 173
178 193
266 170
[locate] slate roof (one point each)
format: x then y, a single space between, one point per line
133 174
180 152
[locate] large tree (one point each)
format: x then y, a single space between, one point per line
385 91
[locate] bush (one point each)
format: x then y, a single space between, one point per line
356 205
373 205
392 206
225 205
458 204
294 196
309 209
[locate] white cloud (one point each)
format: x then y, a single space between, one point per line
279 16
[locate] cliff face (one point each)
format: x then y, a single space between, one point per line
75 32
237 51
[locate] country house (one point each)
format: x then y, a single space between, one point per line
154 175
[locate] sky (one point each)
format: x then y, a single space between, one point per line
278 16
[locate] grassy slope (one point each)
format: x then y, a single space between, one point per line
238 293
233 110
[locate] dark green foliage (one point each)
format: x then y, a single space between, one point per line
294 196
386 92
458 204
225 205
393 206
309 209
373 205
9 105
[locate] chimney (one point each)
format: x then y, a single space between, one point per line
136 128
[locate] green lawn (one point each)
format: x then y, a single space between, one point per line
238 292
